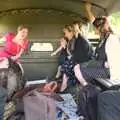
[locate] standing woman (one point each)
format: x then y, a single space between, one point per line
15 44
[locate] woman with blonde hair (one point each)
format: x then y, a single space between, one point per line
77 50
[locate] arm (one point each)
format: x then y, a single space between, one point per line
22 50
106 64
56 51
2 40
91 16
18 55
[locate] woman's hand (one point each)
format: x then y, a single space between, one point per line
63 42
88 5
18 55
106 65
14 58
88 8
53 54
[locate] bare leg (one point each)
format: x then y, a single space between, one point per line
79 76
64 83
58 72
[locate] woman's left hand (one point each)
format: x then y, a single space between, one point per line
106 65
14 58
53 54
88 5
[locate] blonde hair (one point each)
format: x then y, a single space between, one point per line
79 24
69 28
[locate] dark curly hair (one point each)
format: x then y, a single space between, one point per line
99 22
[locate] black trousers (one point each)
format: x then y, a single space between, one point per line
3 97
109 105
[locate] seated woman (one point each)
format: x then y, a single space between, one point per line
63 54
77 50
97 68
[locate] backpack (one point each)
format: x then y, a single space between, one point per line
87 102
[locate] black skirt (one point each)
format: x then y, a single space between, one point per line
94 69
68 69
63 56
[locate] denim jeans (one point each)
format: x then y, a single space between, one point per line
3 96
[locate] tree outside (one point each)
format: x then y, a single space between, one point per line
114 20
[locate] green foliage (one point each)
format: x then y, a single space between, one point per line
115 21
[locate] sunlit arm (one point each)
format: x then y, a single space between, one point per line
88 6
57 51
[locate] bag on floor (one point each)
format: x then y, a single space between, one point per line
39 107
87 102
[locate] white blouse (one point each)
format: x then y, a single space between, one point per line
112 50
